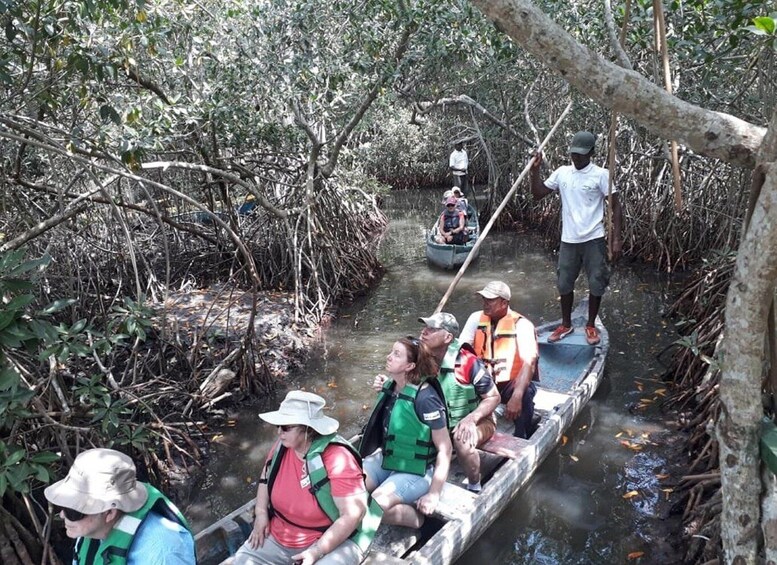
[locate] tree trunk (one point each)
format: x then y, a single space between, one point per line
747 309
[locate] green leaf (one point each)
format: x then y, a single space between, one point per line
19 302
44 457
764 24
8 379
30 265
57 306
78 326
6 317
108 113
15 457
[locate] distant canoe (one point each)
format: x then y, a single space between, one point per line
448 256
570 373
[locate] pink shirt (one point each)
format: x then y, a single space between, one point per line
297 503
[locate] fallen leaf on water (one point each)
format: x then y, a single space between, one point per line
248 479
635 554
365 407
631 494
584 426
331 385
564 440
573 458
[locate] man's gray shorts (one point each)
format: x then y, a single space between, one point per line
590 254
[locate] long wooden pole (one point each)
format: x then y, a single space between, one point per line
505 200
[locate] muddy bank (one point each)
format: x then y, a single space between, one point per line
211 323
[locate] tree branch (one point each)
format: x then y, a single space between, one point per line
713 134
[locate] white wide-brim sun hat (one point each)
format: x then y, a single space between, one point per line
301 408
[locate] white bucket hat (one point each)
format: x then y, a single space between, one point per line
99 480
301 408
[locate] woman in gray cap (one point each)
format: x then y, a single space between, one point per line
311 502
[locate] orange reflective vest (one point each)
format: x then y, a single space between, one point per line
499 351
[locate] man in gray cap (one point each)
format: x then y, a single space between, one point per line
470 394
506 342
117 519
584 188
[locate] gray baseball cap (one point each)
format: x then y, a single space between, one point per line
442 320
582 143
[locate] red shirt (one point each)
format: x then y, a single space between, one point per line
298 504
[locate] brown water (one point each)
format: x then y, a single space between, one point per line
574 509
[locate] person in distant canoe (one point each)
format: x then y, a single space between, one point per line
461 201
470 394
452 225
117 519
406 445
583 188
458 163
506 341
311 502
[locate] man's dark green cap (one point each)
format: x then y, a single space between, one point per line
582 143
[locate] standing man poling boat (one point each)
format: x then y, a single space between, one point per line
583 187
458 163
506 341
470 394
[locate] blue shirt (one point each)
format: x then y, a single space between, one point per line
160 541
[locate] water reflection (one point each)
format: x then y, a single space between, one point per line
573 510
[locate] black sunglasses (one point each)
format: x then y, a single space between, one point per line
70 514
287 428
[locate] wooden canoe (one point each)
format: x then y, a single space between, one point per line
570 372
448 256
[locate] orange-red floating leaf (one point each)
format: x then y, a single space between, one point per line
635 555
631 494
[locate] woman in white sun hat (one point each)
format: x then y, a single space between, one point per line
311 502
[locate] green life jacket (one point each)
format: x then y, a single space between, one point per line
407 446
460 399
321 488
114 549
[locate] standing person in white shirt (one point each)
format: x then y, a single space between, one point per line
458 164
583 187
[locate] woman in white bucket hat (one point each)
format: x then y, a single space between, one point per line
311 502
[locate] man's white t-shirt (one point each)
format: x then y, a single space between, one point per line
583 194
459 160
